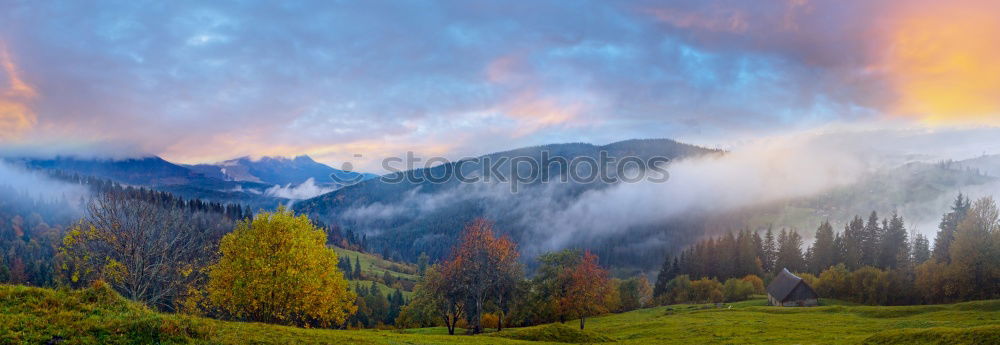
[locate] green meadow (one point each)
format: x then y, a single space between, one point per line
31 315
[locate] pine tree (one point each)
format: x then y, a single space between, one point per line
921 249
345 266
894 251
758 244
667 272
770 250
870 241
947 228
854 242
746 262
357 269
789 251
822 251
838 248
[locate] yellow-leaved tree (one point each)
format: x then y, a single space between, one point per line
276 268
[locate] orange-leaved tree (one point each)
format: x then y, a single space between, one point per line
588 290
276 268
485 266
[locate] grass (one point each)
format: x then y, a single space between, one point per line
99 316
386 290
375 267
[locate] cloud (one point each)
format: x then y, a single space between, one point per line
764 171
207 82
302 191
38 186
16 115
942 61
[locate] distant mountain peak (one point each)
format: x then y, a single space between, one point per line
304 159
276 170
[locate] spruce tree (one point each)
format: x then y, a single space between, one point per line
946 230
770 250
854 243
823 252
921 249
789 251
894 249
870 241
667 272
357 268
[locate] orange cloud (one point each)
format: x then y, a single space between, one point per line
534 113
943 59
15 114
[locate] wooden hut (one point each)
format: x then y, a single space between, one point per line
788 290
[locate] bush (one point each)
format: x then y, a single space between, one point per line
758 284
706 290
490 320
678 290
737 290
834 282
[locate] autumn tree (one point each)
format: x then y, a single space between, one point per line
634 293
548 286
276 268
588 291
486 267
437 297
146 252
975 251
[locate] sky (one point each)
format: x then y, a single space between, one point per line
208 81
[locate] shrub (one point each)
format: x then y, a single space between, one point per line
758 284
737 290
706 290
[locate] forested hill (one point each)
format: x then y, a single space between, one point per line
407 218
263 183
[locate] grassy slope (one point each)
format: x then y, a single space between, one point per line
373 266
98 316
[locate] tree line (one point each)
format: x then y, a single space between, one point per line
871 261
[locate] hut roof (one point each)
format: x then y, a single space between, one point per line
783 284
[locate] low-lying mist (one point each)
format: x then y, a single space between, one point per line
764 171
38 186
